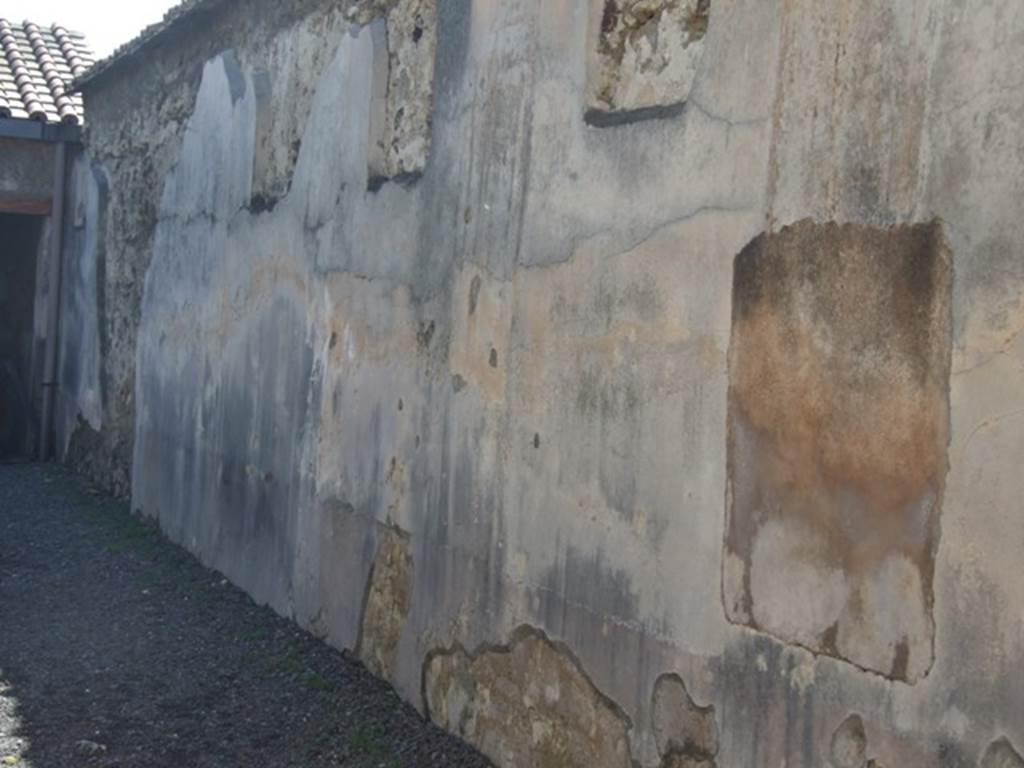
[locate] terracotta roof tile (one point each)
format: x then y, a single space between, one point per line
37 67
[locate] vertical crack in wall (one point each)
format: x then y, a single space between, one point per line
526 703
838 430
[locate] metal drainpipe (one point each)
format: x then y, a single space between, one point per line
46 437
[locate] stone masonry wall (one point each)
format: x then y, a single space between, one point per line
630 382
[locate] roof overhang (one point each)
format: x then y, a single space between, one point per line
180 16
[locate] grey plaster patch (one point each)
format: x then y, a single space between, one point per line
236 80
682 729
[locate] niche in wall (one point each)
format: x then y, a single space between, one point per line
645 55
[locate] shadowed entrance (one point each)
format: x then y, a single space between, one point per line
19 239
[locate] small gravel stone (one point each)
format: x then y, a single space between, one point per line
86 747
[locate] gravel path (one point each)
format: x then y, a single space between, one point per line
118 648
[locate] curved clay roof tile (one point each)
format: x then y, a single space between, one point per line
68 113
41 67
69 49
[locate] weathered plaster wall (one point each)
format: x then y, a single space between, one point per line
26 175
79 407
475 422
133 135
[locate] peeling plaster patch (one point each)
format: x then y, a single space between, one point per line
848 747
387 603
647 56
527 703
404 42
838 431
1001 754
686 734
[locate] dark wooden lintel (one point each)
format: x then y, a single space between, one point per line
30 205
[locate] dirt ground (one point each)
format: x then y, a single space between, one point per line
118 648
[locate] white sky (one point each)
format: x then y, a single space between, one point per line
105 23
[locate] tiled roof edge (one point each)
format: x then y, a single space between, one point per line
37 64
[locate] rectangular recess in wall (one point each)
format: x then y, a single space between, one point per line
644 58
404 45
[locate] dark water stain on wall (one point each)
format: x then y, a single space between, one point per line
582 578
837 439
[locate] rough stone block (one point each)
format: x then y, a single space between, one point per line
388 597
528 703
403 88
647 55
837 439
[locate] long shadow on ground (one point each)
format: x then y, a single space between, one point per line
118 648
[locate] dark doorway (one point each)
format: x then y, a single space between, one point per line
19 244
